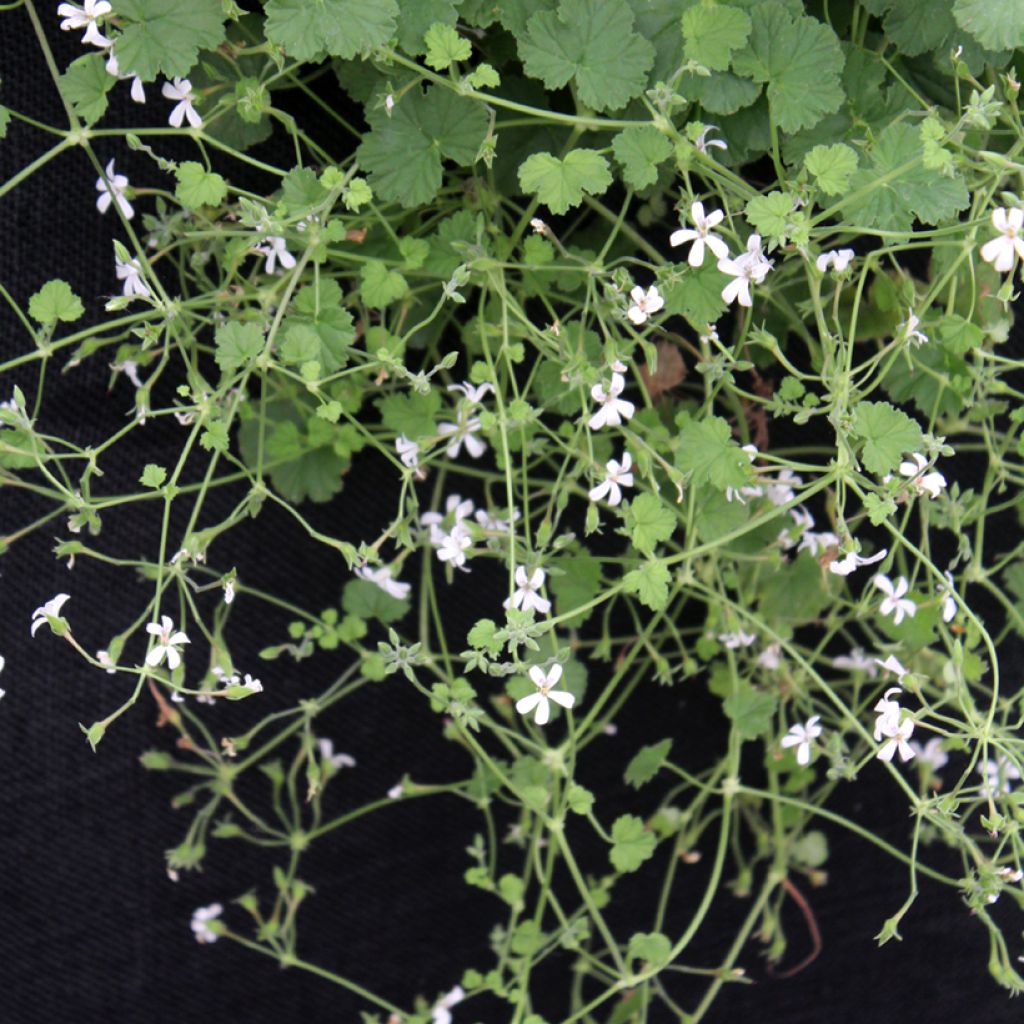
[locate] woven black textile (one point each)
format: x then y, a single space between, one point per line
92 929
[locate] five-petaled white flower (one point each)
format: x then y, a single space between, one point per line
851 561
454 507
924 483
463 432
111 188
330 758
895 602
544 681
130 272
408 452
181 90
474 394
749 268
616 476
527 593
702 143
169 642
1002 249
897 733
838 259
931 753
644 303
442 1012
453 546
86 17
50 610
276 251
201 919
908 330
613 409
701 235
138 89
382 578
801 737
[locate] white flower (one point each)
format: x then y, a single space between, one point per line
138 89
998 774
463 432
229 591
856 661
613 409
644 304
907 331
201 919
181 90
839 259
892 664
538 226
817 543
527 594
771 657
396 791
801 737
949 605
326 748
931 753
734 641
1000 250
702 143
897 733
851 561
276 251
389 103
130 272
454 508
168 642
249 683
111 188
895 602
750 268
781 492
452 547
738 494
383 579
86 17
130 369
924 483
616 476
474 393
104 658
544 681
408 452
492 524
441 1013
50 610
701 235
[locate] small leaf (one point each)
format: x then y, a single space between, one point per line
380 286
887 433
649 521
646 763
751 711
712 32
633 844
55 301
153 475
237 344
832 167
445 47
654 949
639 151
198 186
650 584
561 184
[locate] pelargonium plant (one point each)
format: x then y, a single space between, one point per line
684 325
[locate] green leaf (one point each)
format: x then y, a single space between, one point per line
445 47
342 28
654 949
917 26
958 335
301 191
887 433
996 24
417 16
708 452
579 799
403 152
55 301
910 189
380 285
695 293
579 583
365 600
646 763
85 85
320 308
165 36
153 475
799 60
237 345
593 43
649 521
770 215
633 844
561 184
832 167
199 187
751 711
650 584
412 414
712 32
483 77
811 849
639 151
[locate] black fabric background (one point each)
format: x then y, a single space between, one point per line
91 928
